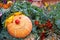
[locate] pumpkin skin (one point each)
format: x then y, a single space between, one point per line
22 29
5 6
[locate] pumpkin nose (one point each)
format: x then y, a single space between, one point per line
17 21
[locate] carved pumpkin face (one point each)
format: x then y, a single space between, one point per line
20 26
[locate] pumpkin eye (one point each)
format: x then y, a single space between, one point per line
19 17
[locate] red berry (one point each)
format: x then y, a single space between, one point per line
17 21
42 37
49 24
36 22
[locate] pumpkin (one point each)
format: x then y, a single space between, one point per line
5 6
1 4
20 26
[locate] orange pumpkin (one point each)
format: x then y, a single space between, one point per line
5 6
1 4
20 27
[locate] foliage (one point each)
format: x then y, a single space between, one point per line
34 13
